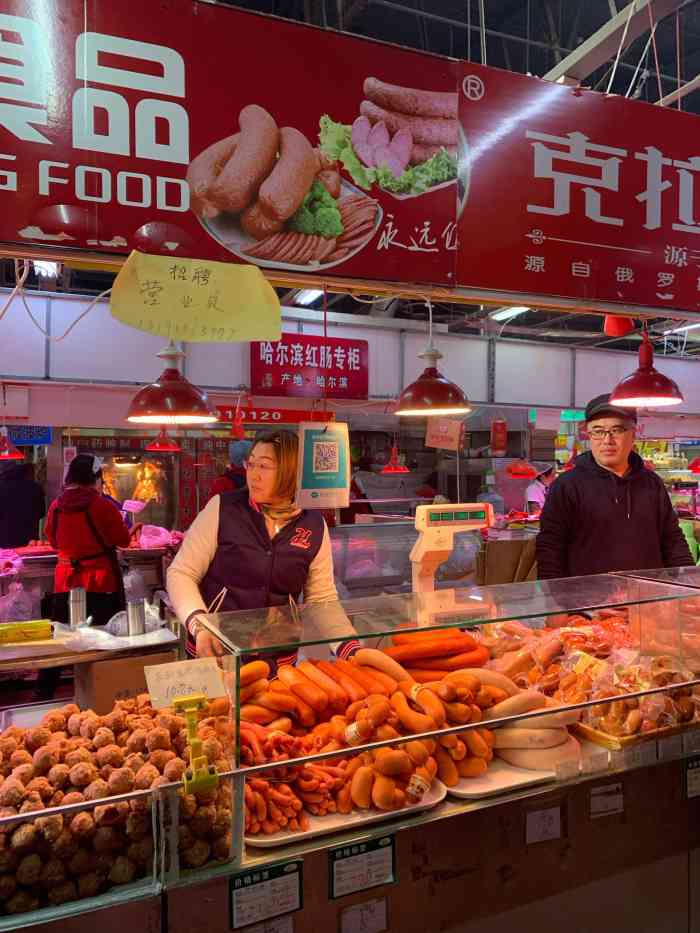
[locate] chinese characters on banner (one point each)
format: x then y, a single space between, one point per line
596 196
301 366
265 417
104 109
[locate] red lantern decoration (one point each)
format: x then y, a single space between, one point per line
499 437
8 451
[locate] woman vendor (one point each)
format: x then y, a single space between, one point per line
86 529
255 547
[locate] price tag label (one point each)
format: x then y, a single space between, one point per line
259 895
165 682
692 777
361 866
278 925
370 917
670 747
691 741
543 825
606 800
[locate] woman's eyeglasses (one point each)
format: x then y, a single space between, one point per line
259 465
599 433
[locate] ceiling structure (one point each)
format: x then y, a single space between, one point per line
571 40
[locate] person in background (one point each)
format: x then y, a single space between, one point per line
235 476
126 517
86 529
536 492
256 548
22 505
608 513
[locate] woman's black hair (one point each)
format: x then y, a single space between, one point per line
81 471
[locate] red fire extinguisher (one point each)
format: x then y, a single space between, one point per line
499 437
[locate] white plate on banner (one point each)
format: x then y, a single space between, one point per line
340 822
500 778
226 230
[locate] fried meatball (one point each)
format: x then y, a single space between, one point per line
50 827
174 769
138 825
74 723
82 774
188 806
8 860
137 741
110 755
203 821
122 738
29 869
107 839
78 756
21 902
8 746
197 854
53 872
97 790
145 777
116 720
8 886
89 885
57 799
221 847
102 737
23 773
32 802
66 845
212 749
45 758
41 786
141 852
222 822
62 893
11 792
69 709
158 738
24 838
58 776
82 825
160 757
35 738
82 862
54 720
74 796
135 762
20 757
123 871
89 725
121 781
185 837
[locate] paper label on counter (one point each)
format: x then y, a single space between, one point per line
370 917
606 800
691 741
262 894
543 825
166 682
692 777
361 866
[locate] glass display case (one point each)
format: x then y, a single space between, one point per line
453 698
148 478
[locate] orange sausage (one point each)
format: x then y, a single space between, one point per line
423 676
432 648
250 712
305 713
337 697
254 670
475 743
392 762
258 686
279 702
447 768
351 687
410 638
283 724
474 658
410 719
366 681
429 702
302 687
361 787
383 792
380 676
472 767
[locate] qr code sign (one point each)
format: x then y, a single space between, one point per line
326 455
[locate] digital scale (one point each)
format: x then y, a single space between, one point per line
437 526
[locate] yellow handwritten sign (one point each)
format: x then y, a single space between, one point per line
195 300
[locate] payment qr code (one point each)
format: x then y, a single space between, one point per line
326 455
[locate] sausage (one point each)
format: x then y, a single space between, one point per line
542 759
380 676
422 676
302 687
529 738
204 169
290 180
256 223
330 179
365 680
429 702
410 100
361 787
433 131
372 657
251 163
384 793
472 767
410 719
447 768
350 686
520 703
392 762
254 670
432 648
454 662
421 153
337 697
484 676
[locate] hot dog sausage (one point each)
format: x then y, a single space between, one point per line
410 100
251 163
204 170
290 180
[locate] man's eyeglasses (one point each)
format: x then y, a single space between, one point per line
599 433
259 465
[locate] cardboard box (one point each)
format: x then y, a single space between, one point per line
99 684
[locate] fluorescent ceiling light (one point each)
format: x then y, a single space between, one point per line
307 296
45 270
507 314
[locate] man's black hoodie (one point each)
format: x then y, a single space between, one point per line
594 521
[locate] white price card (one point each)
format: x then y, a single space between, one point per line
278 925
370 917
691 741
264 893
543 825
363 865
606 800
166 682
670 747
692 777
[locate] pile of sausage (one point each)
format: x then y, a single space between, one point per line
431 117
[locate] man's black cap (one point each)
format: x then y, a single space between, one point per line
600 407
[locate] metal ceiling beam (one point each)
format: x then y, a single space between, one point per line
602 46
680 92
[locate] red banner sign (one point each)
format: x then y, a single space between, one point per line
281 145
272 416
570 192
300 366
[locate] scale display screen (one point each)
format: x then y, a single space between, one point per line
448 518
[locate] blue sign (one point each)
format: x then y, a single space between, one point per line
323 478
29 435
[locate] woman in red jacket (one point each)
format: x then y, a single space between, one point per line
86 530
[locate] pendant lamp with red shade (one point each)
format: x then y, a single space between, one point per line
432 394
171 399
8 451
646 387
163 444
394 465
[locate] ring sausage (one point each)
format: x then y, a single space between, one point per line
205 169
432 131
372 657
256 223
410 100
252 161
291 178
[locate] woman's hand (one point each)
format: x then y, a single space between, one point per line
207 645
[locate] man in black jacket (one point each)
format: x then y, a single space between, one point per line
22 506
610 512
